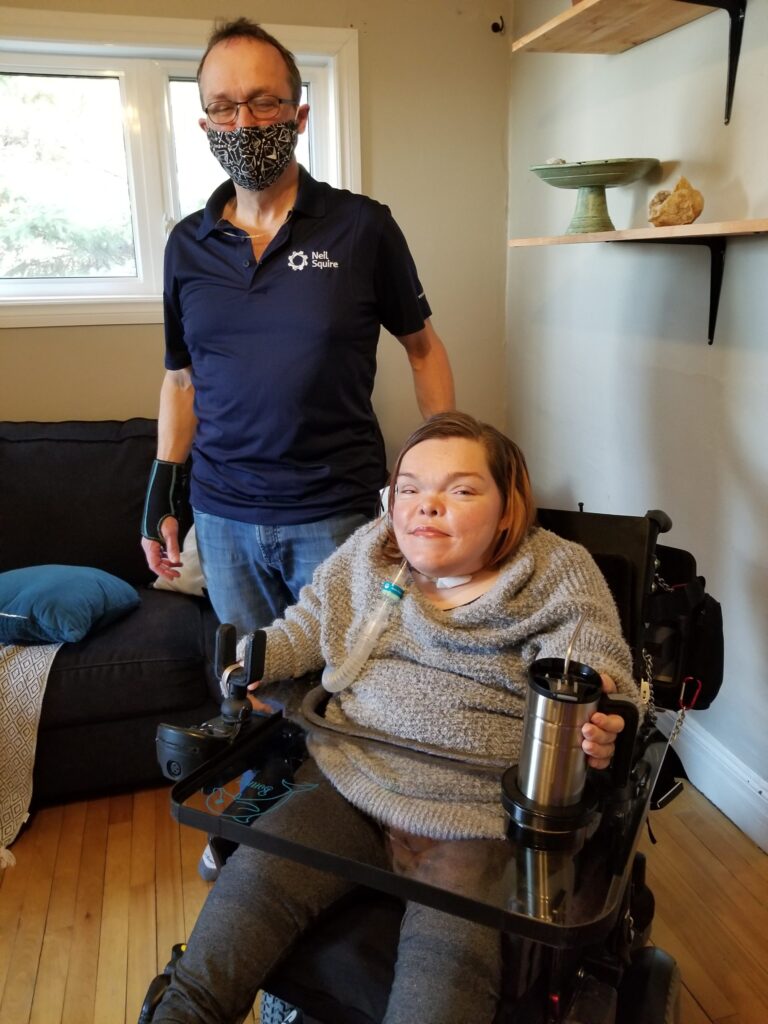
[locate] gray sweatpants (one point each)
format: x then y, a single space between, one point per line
448 970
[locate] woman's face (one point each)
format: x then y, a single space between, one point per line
447 508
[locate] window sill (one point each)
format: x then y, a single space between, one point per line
58 312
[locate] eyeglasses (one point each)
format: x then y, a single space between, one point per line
262 108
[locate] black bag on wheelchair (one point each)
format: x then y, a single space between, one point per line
683 639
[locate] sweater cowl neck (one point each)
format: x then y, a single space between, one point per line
515 575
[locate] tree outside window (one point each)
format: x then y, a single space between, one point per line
65 207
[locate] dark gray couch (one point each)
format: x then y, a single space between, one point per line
72 494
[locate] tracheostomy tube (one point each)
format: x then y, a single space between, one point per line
347 672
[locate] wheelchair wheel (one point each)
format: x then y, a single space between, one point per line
275 1011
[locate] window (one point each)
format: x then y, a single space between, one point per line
102 154
49 225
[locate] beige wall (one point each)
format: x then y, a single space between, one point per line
434 100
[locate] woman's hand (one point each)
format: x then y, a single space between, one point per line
600 732
256 704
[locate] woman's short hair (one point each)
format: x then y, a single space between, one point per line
244 28
508 469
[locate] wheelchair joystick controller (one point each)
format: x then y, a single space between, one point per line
180 749
235 676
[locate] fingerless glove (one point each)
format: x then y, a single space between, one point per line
167 495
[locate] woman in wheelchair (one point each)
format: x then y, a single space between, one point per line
486 592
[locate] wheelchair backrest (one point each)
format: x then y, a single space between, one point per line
624 549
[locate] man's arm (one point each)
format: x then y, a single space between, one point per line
176 425
432 375
176 422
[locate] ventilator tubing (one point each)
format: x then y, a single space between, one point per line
343 676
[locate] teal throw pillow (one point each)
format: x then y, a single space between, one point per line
48 604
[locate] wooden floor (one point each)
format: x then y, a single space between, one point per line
102 890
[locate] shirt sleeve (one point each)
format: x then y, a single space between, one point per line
176 352
403 307
293 643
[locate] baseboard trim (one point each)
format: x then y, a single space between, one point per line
716 772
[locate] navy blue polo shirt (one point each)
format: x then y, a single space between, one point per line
283 352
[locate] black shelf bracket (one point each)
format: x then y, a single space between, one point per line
737 10
716 245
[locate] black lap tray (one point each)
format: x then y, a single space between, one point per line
562 898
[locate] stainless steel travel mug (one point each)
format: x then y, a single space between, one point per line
552 769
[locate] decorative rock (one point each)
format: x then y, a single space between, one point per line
681 206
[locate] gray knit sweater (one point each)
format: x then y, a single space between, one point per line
455 679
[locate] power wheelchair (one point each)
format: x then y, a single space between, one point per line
578 896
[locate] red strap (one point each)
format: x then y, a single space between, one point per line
692 702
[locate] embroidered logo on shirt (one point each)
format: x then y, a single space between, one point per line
323 261
320 260
298 260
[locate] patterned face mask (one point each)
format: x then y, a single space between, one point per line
255 156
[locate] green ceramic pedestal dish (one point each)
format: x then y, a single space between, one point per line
592 178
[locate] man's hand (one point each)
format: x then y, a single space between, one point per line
164 559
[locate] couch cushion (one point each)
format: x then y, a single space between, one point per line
158 659
72 493
49 604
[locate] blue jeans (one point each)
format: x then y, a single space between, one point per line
253 573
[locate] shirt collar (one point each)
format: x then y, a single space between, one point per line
310 201
214 207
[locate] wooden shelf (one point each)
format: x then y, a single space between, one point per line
678 232
608 26
714 236
613 26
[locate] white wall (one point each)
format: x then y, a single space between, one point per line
614 393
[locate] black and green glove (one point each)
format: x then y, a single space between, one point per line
167 495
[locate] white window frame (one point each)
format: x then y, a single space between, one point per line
39 41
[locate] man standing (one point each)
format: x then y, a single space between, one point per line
274 298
